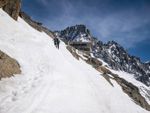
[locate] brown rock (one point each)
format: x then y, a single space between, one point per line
3 3
133 92
73 52
103 70
94 62
8 66
13 8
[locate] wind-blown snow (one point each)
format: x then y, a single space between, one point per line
53 81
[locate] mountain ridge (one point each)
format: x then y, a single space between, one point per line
111 52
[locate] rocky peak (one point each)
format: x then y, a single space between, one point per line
115 47
78 28
112 43
119 59
75 33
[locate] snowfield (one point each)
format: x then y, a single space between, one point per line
52 80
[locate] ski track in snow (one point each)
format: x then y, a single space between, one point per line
52 80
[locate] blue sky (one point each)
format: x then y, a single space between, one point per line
125 21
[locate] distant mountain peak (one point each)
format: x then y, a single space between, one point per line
113 43
79 27
75 33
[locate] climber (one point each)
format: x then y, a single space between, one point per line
56 42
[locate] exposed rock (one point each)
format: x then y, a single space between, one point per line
12 7
145 92
73 52
132 91
103 70
82 46
94 62
48 32
107 77
118 58
36 25
3 3
8 66
75 33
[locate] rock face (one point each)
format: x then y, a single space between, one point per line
3 3
73 52
8 66
36 25
118 59
111 52
78 33
133 92
94 62
12 7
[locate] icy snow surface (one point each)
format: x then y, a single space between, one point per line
52 81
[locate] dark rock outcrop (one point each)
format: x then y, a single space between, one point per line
12 7
103 70
8 66
118 58
94 62
73 52
133 92
78 33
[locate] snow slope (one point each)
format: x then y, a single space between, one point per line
52 81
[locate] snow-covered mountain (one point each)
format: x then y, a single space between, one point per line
78 33
53 81
112 53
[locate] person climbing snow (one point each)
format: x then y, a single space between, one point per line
56 42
